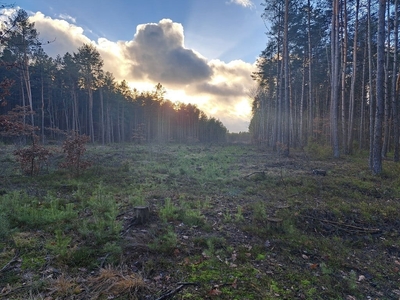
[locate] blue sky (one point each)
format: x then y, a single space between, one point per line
222 38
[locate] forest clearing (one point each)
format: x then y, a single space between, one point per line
223 222
142 168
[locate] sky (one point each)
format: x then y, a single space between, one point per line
202 51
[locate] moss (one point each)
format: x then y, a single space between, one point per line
33 261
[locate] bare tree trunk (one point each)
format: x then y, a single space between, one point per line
370 92
286 119
386 120
310 85
91 126
119 124
395 87
109 125
27 81
23 97
102 116
42 108
334 78
362 109
123 123
380 92
278 98
301 136
75 114
343 75
353 84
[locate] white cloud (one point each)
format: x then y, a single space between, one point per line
244 3
157 53
66 37
67 17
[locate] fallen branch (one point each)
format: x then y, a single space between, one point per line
8 265
262 173
363 229
7 290
171 293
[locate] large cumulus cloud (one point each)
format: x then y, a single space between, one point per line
159 53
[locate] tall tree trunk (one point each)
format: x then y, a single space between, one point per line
301 130
278 98
353 84
74 111
42 108
122 122
91 126
286 119
27 81
310 85
343 74
109 124
395 87
334 78
362 109
380 91
370 90
23 97
102 116
386 120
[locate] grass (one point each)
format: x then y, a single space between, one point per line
208 224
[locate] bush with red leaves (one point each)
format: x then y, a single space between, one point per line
74 148
32 158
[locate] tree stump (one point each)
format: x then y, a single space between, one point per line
319 172
274 223
142 214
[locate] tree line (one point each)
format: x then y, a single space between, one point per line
73 93
329 75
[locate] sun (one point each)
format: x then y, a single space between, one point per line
243 108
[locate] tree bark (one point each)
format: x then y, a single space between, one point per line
395 87
91 126
353 84
334 78
386 120
310 83
380 92
362 109
286 119
343 75
370 91
102 116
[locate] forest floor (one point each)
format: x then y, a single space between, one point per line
224 222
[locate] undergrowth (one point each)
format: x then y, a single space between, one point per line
234 222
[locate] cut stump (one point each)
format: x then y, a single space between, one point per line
274 223
142 214
319 172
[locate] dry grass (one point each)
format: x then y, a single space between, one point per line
64 286
116 282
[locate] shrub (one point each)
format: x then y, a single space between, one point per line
165 243
21 210
102 225
33 158
169 212
74 148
